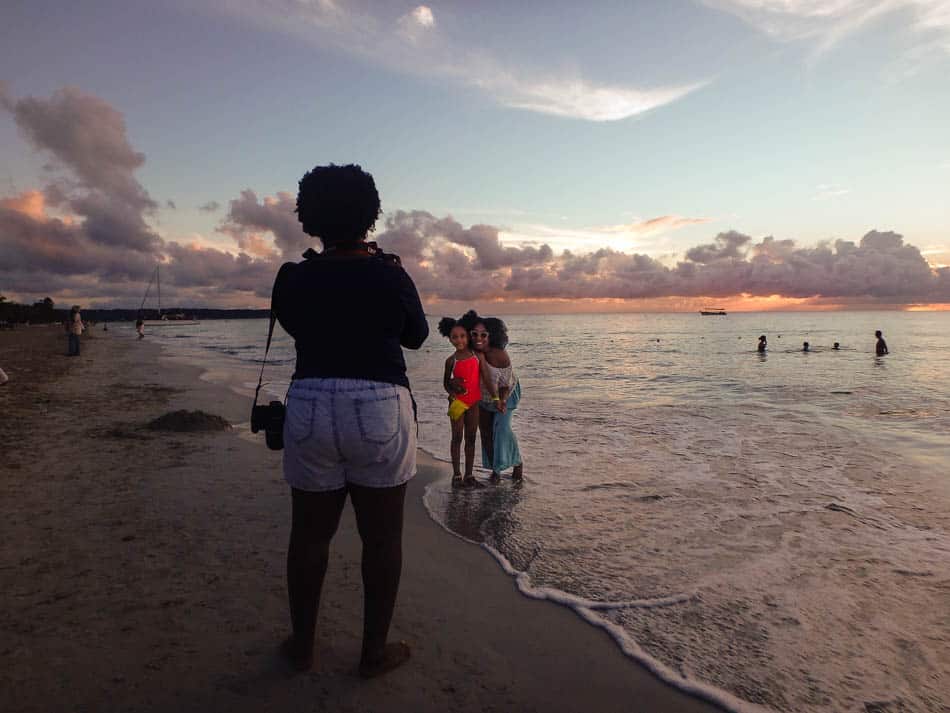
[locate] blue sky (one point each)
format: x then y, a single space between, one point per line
563 123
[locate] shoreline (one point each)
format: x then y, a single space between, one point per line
145 572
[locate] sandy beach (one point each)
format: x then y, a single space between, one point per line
144 570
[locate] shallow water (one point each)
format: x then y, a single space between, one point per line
795 506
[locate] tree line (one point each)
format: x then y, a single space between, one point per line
46 312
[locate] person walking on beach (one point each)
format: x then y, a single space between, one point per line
74 329
501 393
763 344
805 347
140 328
462 383
881 347
350 427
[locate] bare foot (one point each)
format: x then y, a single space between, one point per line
518 472
300 657
494 477
457 481
394 655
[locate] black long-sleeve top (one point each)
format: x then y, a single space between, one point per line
350 316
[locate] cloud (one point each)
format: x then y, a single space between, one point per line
728 246
655 226
216 271
93 162
825 191
209 207
576 97
88 136
171 205
248 220
412 44
415 23
450 262
422 16
86 232
86 235
827 22
32 241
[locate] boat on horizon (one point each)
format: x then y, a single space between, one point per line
168 320
177 319
710 311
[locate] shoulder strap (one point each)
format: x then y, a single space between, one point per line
270 333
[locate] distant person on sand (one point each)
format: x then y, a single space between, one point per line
836 347
74 329
462 382
763 344
805 347
501 392
881 347
350 425
140 328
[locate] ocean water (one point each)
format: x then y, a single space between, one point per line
772 531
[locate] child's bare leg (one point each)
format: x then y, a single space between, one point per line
456 448
471 430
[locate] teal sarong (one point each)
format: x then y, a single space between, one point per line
504 443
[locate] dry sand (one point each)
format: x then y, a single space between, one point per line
144 570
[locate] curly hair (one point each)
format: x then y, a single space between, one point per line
497 332
447 324
338 204
469 320
496 328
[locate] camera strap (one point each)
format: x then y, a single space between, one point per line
270 333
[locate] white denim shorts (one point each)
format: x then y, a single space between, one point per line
340 431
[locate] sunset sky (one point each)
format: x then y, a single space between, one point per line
758 154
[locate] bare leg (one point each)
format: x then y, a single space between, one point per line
379 516
456 447
315 519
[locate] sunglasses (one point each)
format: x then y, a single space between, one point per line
479 334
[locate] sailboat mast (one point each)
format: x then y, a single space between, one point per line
145 297
158 278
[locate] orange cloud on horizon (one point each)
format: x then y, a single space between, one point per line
30 203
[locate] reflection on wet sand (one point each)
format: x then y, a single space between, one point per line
479 514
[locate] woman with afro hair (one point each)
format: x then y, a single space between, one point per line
349 426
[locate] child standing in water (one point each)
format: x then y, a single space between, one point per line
880 348
463 385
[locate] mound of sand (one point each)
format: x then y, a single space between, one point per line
189 422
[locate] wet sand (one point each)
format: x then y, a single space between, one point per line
144 570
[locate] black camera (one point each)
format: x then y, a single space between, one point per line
269 418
